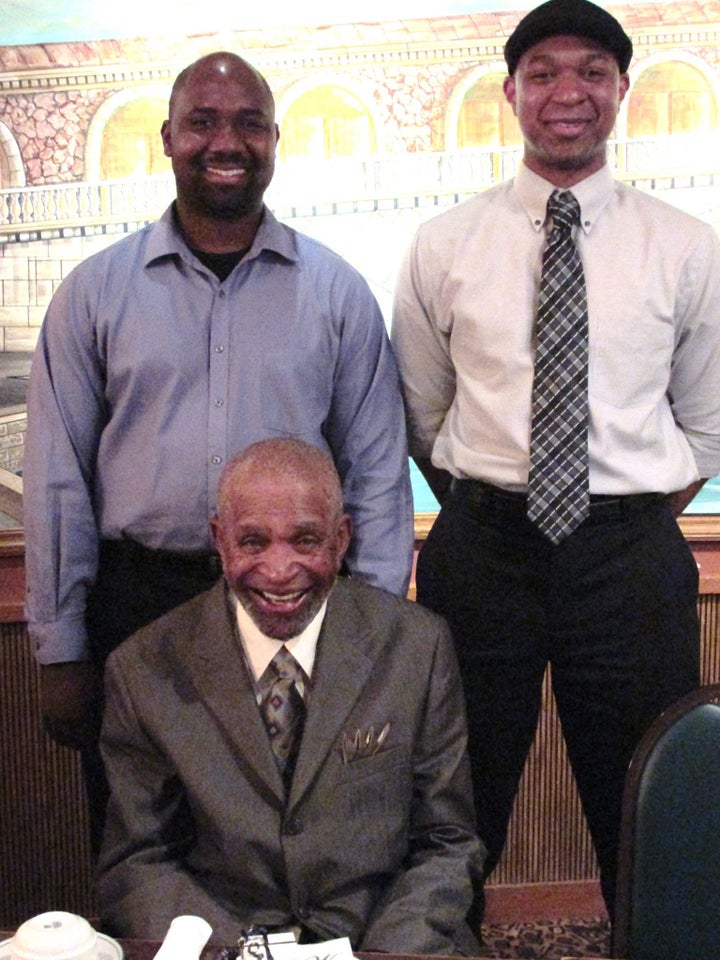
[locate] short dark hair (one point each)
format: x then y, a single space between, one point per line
579 18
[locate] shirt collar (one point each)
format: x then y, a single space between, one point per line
260 649
593 194
166 240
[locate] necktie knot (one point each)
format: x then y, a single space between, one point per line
564 209
285 666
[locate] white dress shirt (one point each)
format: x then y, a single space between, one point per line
463 331
260 649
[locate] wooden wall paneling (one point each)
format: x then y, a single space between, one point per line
44 852
710 632
548 840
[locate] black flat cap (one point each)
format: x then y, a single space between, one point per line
579 18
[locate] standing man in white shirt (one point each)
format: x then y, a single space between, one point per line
611 602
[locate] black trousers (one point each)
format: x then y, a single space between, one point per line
612 609
134 586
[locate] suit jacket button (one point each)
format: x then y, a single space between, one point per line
293 826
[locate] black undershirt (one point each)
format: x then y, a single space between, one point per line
221 264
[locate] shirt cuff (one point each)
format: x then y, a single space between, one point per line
59 641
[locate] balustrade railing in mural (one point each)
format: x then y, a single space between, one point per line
311 187
70 204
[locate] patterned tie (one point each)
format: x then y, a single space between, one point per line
283 709
558 489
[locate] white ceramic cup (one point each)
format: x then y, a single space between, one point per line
55 935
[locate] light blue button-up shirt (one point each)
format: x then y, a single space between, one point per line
150 374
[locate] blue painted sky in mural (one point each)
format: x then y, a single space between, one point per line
45 21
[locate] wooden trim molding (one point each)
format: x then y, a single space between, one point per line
11 495
12 576
12 543
700 526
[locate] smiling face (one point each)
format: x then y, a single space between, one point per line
281 538
566 93
221 137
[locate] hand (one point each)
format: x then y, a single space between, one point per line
681 498
71 702
437 479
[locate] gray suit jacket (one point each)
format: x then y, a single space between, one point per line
380 848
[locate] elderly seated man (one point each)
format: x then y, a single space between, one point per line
289 748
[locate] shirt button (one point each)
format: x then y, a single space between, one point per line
219 403
221 294
219 348
216 459
293 826
303 913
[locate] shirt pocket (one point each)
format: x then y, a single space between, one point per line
631 353
296 389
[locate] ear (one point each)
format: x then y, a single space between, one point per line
344 534
509 89
623 86
216 533
166 139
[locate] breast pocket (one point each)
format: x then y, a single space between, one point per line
375 796
296 389
630 352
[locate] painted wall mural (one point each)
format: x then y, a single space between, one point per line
389 110
46 21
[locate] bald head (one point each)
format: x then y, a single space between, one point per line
280 460
281 533
221 64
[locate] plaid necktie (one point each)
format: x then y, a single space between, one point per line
558 489
283 709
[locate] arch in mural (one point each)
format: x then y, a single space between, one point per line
668 122
327 118
12 169
670 94
478 115
123 139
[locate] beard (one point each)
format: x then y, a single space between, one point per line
281 626
225 201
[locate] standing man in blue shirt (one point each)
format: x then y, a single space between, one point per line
161 357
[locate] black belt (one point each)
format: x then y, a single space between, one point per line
194 562
602 508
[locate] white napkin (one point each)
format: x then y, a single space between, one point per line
185 939
339 949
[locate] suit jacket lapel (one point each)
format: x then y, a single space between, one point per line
342 666
219 671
